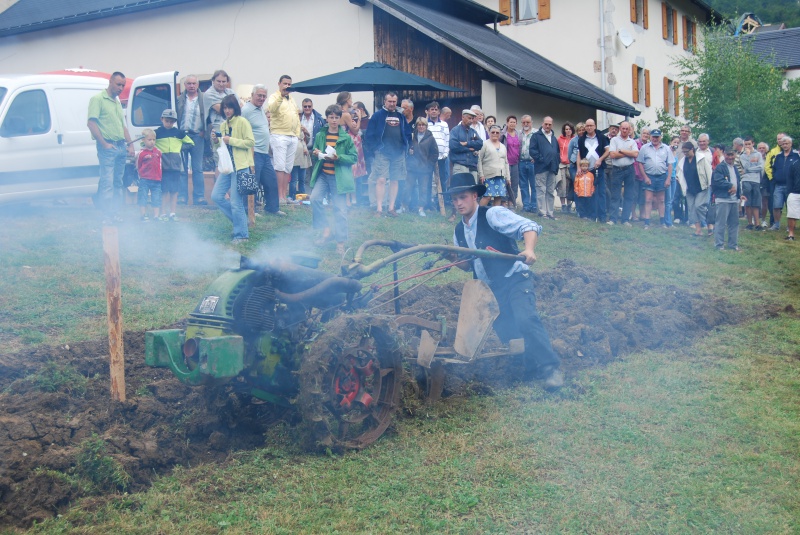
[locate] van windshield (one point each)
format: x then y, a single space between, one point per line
3 92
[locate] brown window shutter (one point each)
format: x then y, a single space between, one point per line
647 88
674 27
544 9
644 15
664 25
677 100
635 84
666 94
633 11
685 35
694 37
505 9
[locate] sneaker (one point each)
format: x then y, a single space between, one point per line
646 227
776 226
173 218
324 201
422 213
749 227
555 381
764 224
200 202
610 223
720 248
664 225
401 210
789 238
677 222
627 224
182 201
145 219
237 241
554 218
163 217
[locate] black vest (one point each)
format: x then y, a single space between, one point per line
486 237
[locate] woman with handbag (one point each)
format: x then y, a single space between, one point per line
332 176
237 135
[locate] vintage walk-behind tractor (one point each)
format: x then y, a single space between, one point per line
299 338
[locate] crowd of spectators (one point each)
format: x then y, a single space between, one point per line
400 162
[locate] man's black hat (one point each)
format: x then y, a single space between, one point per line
465 182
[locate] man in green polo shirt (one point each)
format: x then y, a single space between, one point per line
107 125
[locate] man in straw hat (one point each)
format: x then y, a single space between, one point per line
498 228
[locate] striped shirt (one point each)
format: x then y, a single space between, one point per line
328 166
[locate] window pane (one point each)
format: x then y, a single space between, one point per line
28 115
527 9
148 103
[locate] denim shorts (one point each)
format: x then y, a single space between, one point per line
154 188
779 196
656 183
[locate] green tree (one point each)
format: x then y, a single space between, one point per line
732 91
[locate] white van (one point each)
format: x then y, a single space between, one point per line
150 95
46 149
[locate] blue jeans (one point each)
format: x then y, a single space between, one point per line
265 174
233 208
324 186
112 168
600 194
297 183
669 196
623 192
527 185
195 153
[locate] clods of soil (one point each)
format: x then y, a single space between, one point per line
49 427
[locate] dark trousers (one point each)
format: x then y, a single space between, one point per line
193 155
527 186
585 207
415 188
265 174
519 319
600 197
297 184
622 184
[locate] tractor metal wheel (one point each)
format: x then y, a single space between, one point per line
350 382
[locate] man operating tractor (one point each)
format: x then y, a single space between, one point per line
498 229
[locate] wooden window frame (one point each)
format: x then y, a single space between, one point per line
669 23
672 103
510 8
639 15
641 85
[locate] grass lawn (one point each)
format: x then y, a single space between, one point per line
701 439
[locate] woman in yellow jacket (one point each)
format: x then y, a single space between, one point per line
237 134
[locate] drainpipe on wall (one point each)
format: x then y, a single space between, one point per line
604 115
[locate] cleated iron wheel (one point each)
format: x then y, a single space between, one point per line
350 382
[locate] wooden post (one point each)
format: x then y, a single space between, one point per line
251 210
114 308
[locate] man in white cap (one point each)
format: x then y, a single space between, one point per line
477 124
465 143
498 228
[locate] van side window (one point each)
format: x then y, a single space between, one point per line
27 115
148 103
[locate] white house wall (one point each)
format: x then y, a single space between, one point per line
502 100
571 38
255 41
